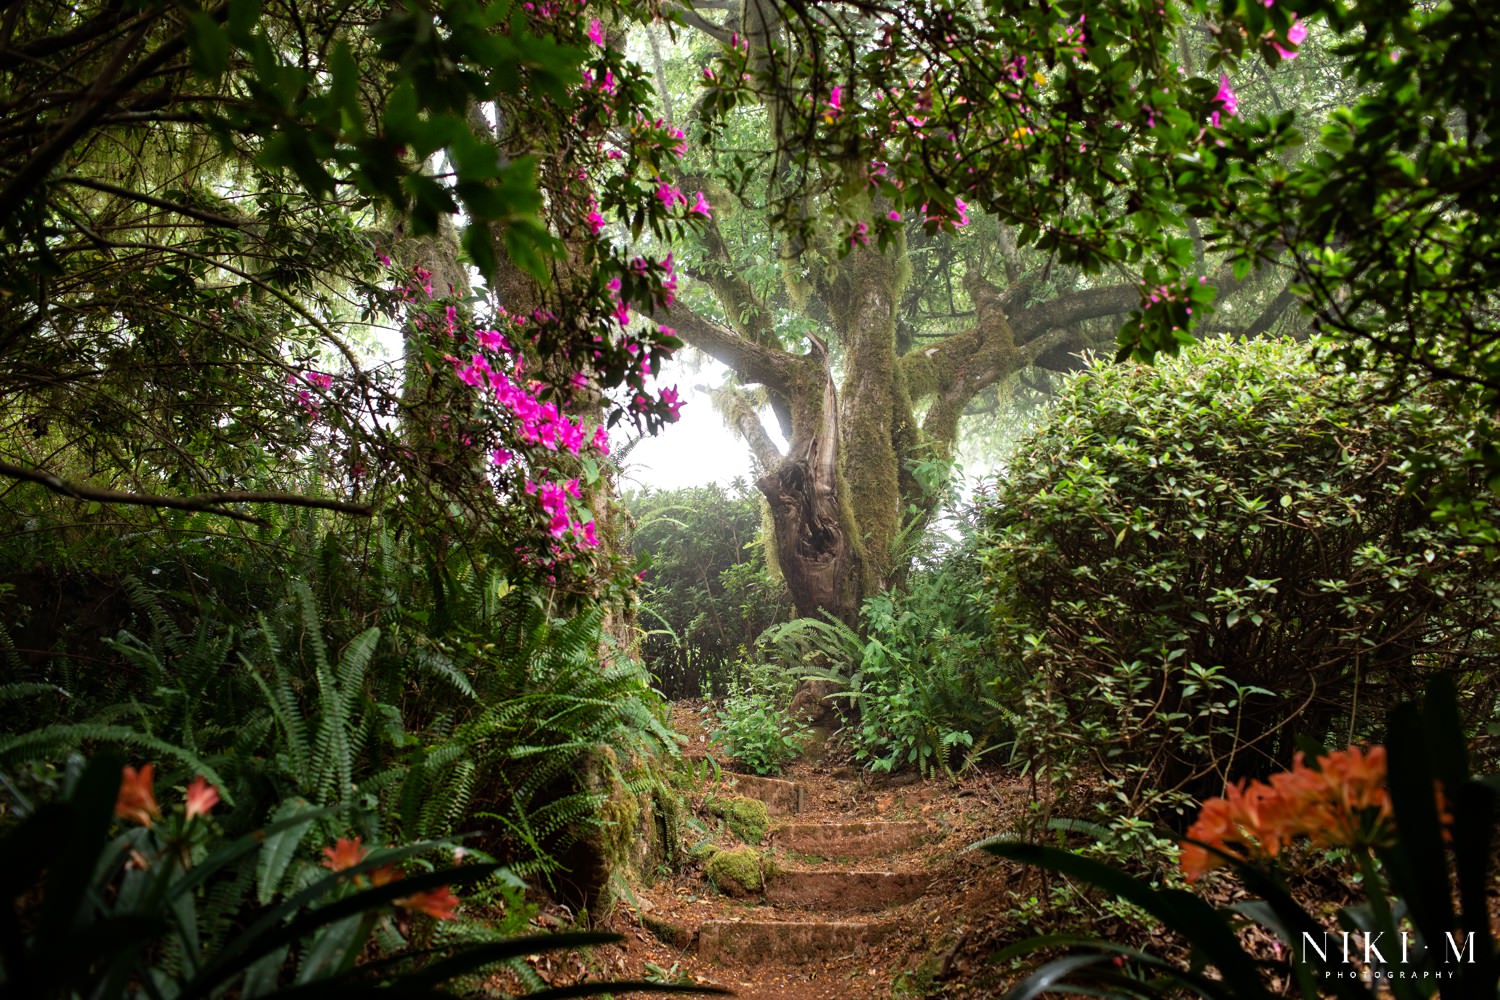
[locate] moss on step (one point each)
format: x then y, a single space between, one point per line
667 932
747 819
736 872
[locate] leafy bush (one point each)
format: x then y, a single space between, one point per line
924 675
505 720
1206 562
757 732
708 592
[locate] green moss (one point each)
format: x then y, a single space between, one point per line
736 872
746 818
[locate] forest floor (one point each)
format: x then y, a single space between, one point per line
870 888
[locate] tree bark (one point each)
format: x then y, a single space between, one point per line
843 496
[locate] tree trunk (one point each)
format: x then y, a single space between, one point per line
814 545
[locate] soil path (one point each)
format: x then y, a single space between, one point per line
861 887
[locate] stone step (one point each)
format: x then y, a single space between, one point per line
844 891
782 798
785 943
848 839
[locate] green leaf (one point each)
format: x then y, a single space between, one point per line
280 847
208 45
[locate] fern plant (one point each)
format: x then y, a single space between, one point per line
570 711
322 726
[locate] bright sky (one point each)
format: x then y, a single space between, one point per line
696 450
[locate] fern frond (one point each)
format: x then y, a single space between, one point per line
58 740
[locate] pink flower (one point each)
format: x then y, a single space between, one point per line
669 195
1226 101
835 104
701 207
669 397
500 456
596 32
596 222
493 340
893 215
1295 36
861 235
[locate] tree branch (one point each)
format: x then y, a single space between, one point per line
212 218
738 410
1074 308
1271 313
208 503
101 98
755 363
692 19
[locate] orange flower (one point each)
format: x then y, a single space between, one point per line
136 801
384 875
1343 802
201 797
344 854
437 903
1242 825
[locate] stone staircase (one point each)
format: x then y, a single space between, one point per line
823 885
842 874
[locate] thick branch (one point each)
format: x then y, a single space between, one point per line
208 503
738 410
693 19
103 96
1271 313
202 215
754 363
1074 308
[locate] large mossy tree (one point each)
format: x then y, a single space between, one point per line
844 282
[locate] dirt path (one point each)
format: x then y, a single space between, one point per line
865 885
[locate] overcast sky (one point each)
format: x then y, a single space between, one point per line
696 450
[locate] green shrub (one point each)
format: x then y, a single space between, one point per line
708 589
1207 562
924 674
757 732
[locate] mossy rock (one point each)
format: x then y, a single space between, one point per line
736 872
747 819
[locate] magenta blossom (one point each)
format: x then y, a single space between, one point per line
1295 36
701 207
669 397
669 195
596 32
1226 101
